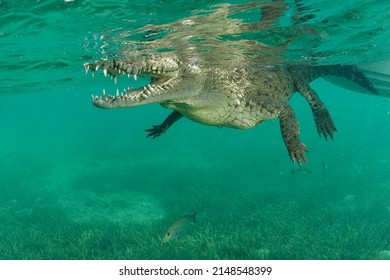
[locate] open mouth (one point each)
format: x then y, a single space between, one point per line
161 70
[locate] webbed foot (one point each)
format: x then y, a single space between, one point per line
296 149
156 130
324 123
290 131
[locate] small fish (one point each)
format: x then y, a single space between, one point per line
300 170
179 226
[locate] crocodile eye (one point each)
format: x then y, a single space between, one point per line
168 234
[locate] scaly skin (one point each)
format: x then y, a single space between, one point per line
239 92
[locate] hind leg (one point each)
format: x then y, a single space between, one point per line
290 131
274 108
322 118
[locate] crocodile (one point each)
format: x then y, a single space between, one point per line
224 88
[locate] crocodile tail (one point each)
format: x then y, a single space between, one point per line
352 73
349 72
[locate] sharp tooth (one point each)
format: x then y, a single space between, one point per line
135 76
92 96
115 79
151 89
97 67
144 95
117 92
105 72
93 74
128 75
104 92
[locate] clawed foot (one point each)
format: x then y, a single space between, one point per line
324 123
296 150
156 131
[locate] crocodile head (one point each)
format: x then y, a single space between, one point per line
171 81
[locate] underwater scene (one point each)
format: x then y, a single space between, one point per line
233 165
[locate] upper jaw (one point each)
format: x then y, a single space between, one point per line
162 70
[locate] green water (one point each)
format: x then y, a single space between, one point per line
78 182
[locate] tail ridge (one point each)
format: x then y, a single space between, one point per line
352 73
349 72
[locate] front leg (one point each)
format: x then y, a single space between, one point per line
158 130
